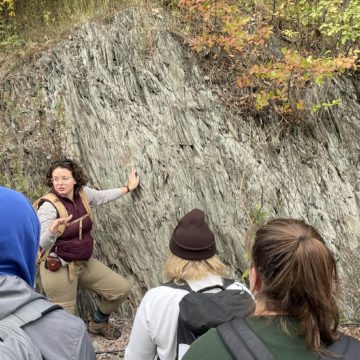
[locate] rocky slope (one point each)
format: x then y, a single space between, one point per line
130 94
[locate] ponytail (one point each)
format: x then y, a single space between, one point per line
299 278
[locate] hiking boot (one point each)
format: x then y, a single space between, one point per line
105 329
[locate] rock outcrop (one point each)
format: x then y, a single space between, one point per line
130 94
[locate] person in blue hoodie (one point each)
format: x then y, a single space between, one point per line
57 334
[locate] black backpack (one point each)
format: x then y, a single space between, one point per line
244 344
202 310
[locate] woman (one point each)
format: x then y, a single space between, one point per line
67 244
193 262
294 279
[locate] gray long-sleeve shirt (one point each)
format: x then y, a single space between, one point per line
47 212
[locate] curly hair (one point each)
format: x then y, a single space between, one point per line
76 171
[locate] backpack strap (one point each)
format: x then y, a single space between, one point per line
242 342
42 256
54 200
61 210
208 288
58 205
345 348
186 286
86 203
30 312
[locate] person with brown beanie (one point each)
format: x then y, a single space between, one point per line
192 261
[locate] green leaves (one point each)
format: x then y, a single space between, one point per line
319 41
317 107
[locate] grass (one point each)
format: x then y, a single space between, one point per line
38 24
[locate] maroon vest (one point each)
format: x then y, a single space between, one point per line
69 246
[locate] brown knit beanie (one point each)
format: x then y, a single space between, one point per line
192 239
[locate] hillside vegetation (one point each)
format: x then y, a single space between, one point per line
274 49
29 26
271 51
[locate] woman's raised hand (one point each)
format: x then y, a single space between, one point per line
133 181
54 226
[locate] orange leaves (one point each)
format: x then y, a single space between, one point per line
242 31
343 62
203 42
244 81
278 81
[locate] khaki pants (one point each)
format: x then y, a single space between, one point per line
61 286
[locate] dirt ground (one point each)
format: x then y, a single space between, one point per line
111 350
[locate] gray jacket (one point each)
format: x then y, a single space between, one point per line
58 335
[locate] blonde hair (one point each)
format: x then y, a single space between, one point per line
180 270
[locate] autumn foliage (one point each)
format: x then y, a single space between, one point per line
317 40
273 50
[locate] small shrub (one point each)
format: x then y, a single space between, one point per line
258 215
320 39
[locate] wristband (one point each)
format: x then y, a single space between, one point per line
127 189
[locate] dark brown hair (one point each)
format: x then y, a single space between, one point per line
299 278
76 170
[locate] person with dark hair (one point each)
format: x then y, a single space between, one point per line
55 333
294 279
193 263
67 244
